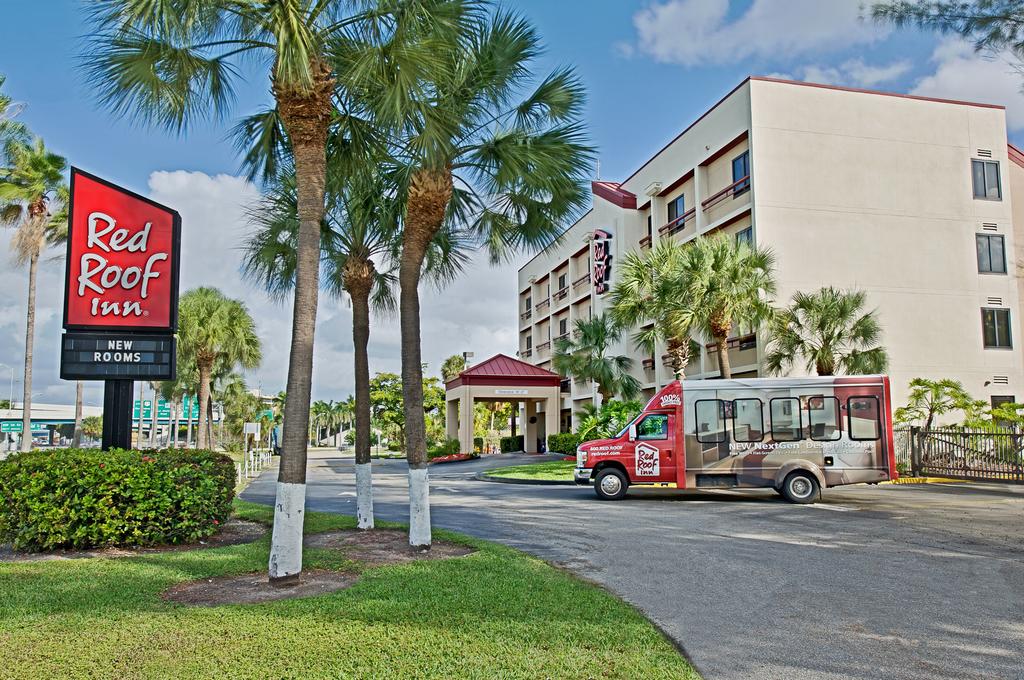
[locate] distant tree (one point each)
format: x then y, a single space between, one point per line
214 330
386 405
992 25
830 331
92 427
33 199
931 399
651 295
728 284
452 367
586 356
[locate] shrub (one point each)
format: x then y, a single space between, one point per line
564 443
394 446
87 498
449 448
478 444
511 444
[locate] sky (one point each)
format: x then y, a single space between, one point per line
650 68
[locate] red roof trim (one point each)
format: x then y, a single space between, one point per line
1016 155
503 370
822 86
614 194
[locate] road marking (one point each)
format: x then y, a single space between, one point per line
834 508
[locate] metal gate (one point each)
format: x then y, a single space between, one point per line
996 455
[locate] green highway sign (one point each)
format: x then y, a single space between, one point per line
11 426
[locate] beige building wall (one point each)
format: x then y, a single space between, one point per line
850 189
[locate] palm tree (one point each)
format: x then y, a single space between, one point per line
471 142
930 399
729 284
830 331
651 294
31 185
76 436
10 129
171 63
214 330
172 392
361 225
452 367
585 356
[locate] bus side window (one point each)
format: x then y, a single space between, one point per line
863 422
823 416
710 421
786 422
747 420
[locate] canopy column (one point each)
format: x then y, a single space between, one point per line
531 430
466 421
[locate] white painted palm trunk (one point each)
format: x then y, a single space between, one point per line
286 542
419 509
364 496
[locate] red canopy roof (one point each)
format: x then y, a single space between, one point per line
502 370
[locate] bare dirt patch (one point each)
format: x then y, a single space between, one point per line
234 532
255 588
381 547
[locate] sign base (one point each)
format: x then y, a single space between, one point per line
117 414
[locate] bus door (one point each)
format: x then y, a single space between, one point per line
654 449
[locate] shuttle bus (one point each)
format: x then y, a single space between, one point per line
795 435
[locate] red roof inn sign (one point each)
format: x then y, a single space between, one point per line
121 287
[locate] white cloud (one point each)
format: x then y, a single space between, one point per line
854 73
961 73
697 32
476 313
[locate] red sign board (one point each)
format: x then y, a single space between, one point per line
122 259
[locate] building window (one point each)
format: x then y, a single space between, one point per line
999 400
746 236
563 326
991 254
995 325
529 343
741 170
529 303
986 180
676 207
562 278
650 233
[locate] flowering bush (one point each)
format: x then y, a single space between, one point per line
86 498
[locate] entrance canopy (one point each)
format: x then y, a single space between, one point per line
502 378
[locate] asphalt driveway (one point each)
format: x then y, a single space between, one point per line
874 582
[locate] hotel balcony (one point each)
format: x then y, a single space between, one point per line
734 190
543 349
580 282
542 307
561 296
678 224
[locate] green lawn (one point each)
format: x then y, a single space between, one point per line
556 470
496 613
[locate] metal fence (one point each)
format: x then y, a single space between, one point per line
995 454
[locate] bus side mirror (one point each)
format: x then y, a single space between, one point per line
632 433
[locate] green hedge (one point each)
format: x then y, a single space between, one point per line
87 498
564 443
511 444
449 448
478 444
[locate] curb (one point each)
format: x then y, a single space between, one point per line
926 480
480 476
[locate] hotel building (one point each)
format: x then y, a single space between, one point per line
906 198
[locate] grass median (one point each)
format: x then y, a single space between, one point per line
550 471
494 613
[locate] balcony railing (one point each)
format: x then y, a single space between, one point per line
560 337
542 305
678 224
543 347
525 353
580 281
736 187
645 242
561 294
739 344
648 364
527 315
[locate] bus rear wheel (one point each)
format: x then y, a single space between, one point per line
610 484
800 487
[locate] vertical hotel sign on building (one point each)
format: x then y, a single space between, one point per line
602 255
120 295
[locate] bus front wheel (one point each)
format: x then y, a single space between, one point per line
800 487
610 484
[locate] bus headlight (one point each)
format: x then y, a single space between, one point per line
581 458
